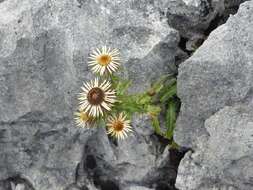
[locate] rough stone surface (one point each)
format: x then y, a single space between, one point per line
191 17
232 3
195 19
139 188
44 47
219 74
142 159
209 80
224 158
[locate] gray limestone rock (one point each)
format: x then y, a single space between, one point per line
224 158
44 47
195 19
191 17
233 3
142 160
217 74
5 185
139 188
217 77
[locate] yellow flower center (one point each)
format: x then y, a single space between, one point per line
118 126
104 60
96 96
84 116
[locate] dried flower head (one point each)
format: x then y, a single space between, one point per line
96 97
118 126
104 60
83 120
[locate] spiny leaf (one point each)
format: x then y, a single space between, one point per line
155 89
170 119
172 91
122 87
156 125
144 99
159 85
114 78
128 104
153 110
164 90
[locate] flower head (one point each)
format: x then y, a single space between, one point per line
96 97
82 119
118 126
104 60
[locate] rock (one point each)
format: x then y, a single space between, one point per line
195 19
233 3
111 164
138 188
75 187
218 77
210 80
224 157
191 17
46 156
15 183
5 185
20 187
44 47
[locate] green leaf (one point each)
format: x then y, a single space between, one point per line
128 104
114 78
122 87
170 82
155 89
143 99
159 85
164 90
172 91
153 110
170 119
156 125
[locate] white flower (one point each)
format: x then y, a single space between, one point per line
118 126
104 60
96 97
